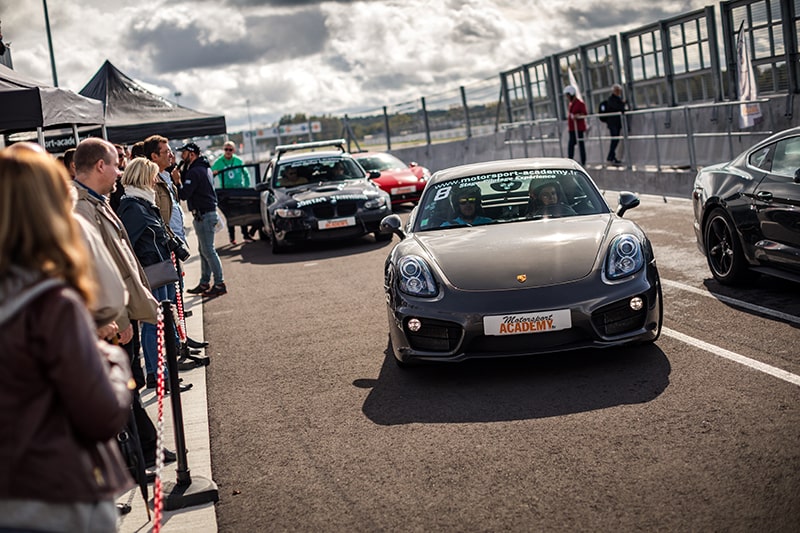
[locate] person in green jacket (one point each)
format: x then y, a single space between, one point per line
237 177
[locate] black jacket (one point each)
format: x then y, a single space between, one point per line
197 187
145 228
614 104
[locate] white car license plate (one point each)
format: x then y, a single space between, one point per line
540 322
404 190
337 223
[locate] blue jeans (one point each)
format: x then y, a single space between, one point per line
209 259
150 336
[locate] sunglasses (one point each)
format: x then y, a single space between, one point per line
229 149
464 201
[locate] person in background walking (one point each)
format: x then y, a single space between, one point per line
616 105
576 123
64 394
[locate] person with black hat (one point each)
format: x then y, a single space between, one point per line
195 185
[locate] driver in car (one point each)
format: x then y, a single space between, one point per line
467 205
290 177
548 200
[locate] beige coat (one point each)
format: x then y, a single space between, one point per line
112 296
164 200
141 305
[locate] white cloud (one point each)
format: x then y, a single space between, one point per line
307 57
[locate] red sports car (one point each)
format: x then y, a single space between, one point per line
403 182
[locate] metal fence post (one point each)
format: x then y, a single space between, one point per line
690 137
386 127
466 111
655 141
425 120
187 491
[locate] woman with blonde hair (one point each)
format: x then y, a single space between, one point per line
63 393
148 233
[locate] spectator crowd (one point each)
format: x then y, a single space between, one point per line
90 244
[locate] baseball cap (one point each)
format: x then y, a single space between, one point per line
569 89
191 147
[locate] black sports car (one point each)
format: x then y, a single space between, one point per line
747 212
518 257
315 196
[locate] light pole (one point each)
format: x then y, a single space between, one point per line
50 44
177 95
252 140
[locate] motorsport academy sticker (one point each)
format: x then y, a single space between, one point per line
540 322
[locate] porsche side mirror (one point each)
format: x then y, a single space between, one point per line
627 200
374 174
797 176
262 186
393 224
413 164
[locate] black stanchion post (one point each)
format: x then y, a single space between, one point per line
186 491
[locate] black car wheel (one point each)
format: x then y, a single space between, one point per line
660 312
382 237
724 251
276 246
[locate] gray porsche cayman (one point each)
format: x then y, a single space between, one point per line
518 257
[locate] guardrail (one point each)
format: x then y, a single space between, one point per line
665 141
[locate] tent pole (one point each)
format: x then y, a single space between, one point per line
104 132
75 134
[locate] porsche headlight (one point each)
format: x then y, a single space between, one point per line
375 203
624 258
289 213
415 276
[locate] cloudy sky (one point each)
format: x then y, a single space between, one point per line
304 56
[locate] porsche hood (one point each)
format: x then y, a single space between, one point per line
512 256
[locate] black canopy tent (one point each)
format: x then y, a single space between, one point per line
28 105
132 113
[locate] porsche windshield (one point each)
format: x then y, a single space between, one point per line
316 170
508 196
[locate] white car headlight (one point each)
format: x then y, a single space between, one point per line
624 257
415 276
289 213
375 203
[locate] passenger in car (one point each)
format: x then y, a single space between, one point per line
467 207
339 173
290 177
547 200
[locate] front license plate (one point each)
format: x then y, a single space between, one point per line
404 190
540 322
337 223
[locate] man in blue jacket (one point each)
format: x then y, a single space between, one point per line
195 185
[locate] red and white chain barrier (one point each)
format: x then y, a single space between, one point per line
180 323
158 491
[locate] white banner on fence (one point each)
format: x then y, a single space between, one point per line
750 113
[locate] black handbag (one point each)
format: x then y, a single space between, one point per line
161 273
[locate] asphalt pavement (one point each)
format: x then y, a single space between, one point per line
198 518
